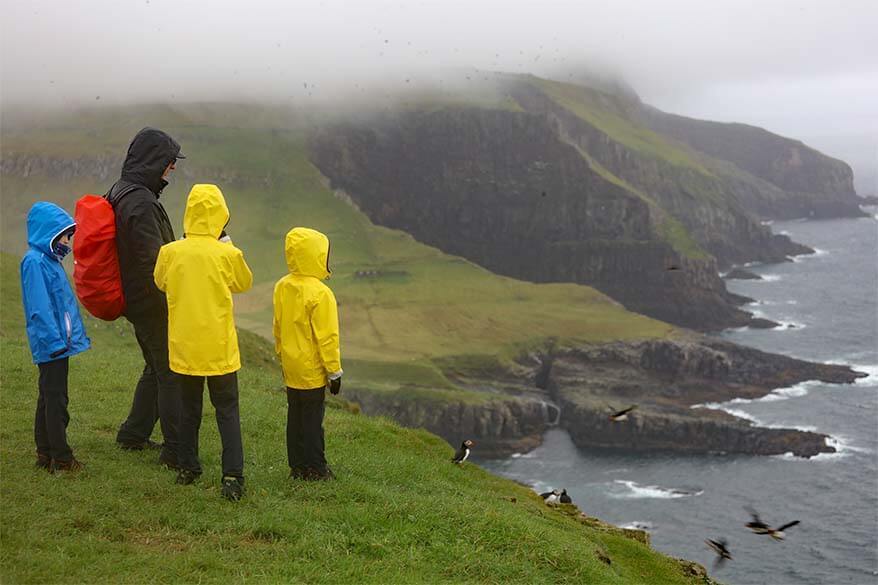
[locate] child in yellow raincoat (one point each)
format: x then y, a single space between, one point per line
306 340
199 274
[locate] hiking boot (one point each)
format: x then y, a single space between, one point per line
139 445
233 488
43 462
186 477
297 473
312 474
73 466
168 460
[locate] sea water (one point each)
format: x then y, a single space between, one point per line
827 305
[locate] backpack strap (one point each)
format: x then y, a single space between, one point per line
125 191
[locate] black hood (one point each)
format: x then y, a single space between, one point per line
149 155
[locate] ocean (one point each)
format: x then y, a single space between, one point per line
827 304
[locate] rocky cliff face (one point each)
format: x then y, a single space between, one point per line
703 202
665 379
504 190
807 183
500 426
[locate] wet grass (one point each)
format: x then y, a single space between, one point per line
398 512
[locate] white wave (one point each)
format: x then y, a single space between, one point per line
784 232
820 252
767 221
637 525
775 303
787 325
723 406
770 278
871 369
871 379
636 490
843 444
794 391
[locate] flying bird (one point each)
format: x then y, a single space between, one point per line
461 455
721 550
620 415
760 527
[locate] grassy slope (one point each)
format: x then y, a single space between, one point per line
393 327
399 511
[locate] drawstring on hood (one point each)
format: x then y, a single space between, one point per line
46 222
149 154
307 253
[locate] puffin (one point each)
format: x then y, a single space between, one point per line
551 498
722 552
564 498
620 415
760 527
462 453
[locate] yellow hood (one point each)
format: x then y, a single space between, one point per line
206 212
307 253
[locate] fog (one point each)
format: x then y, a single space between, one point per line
808 69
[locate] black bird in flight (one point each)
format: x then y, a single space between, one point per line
721 550
620 415
760 527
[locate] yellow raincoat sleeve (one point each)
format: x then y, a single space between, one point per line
160 271
324 324
278 308
241 278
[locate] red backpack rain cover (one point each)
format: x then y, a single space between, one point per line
95 260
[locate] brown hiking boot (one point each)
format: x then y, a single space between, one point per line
43 462
73 465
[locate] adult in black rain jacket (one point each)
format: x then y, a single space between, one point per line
142 227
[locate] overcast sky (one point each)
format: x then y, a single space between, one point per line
804 68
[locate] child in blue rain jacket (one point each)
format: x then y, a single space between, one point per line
54 329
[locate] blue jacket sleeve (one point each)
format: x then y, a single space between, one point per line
38 313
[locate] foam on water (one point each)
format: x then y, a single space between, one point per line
769 278
637 525
635 490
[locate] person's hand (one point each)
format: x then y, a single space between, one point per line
335 386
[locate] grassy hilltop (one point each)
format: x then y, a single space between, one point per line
398 512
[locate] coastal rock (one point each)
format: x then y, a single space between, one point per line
738 273
667 379
787 179
500 426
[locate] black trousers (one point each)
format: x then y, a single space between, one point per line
224 396
50 422
305 447
157 395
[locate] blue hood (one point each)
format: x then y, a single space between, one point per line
45 222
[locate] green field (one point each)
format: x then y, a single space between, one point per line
398 512
421 307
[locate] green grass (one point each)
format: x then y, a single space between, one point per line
604 113
430 306
670 229
398 512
